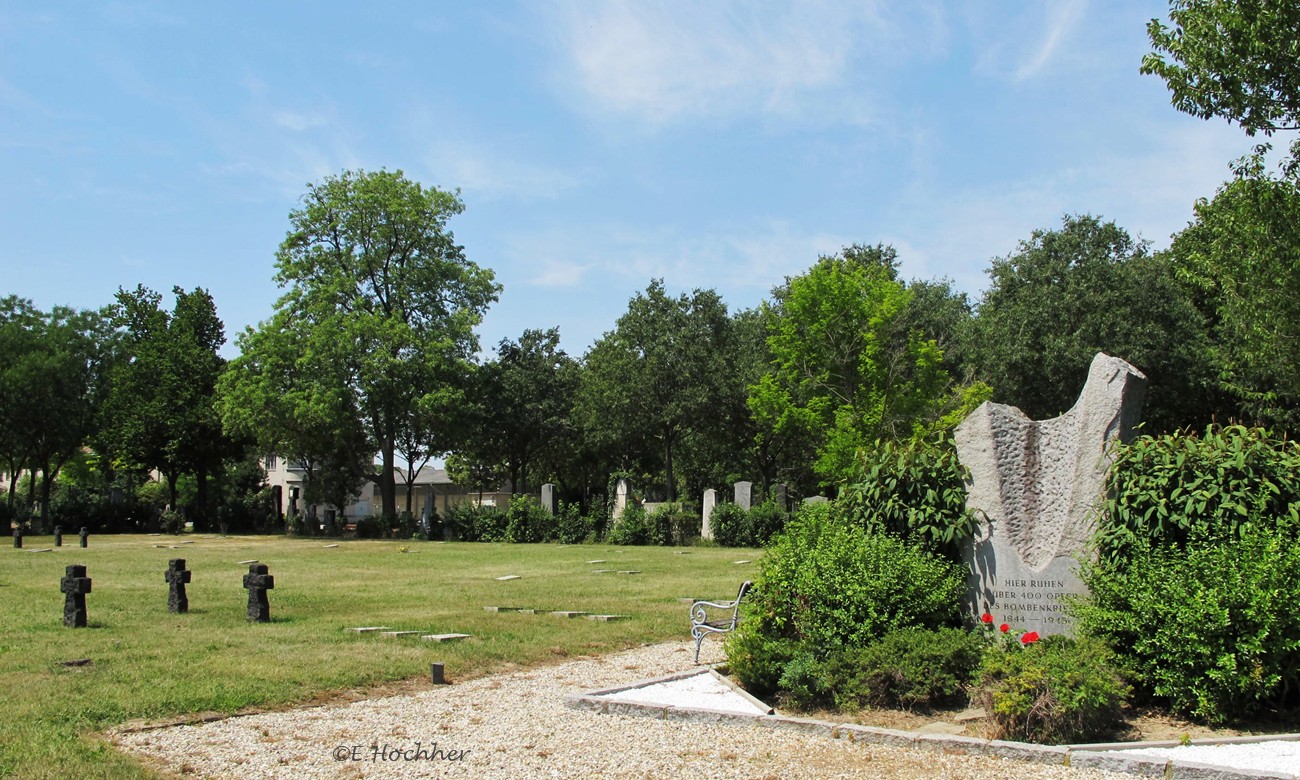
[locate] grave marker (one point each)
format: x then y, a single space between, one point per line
622 489
1036 485
176 578
781 495
258 581
85 537
74 585
18 538
58 536
744 495
548 498
707 505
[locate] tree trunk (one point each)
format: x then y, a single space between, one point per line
201 498
409 486
13 485
671 487
171 490
46 479
388 481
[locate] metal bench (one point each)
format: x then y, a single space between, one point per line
702 625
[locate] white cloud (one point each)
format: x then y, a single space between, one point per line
1063 17
494 173
657 61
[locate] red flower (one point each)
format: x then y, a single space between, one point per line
1029 638
1004 628
986 618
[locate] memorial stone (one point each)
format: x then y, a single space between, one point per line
74 585
258 582
58 536
710 501
177 577
85 537
781 496
744 495
622 489
548 498
18 538
1036 487
815 500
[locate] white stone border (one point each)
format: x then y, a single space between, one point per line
1096 756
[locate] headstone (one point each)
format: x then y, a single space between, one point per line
548 497
177 577
622 489
816 500
258 582
75 585
58 536
781 496
85 537
1037 486
710 501
18 538
744 495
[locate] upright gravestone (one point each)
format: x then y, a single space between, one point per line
177 577
622 489
75 585
815 500
781 496
710 501
85 537
1037 486
258 582
548 498
58 536
18 538
744 495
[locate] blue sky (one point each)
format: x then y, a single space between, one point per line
596 144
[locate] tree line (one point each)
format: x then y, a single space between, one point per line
371 351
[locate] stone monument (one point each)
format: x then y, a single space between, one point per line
710 501
781 496
58 536
622 489
258 582
1036 487
177 577
85 537
744 495
548 498
75 585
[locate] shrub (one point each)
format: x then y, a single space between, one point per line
911 668
765 521
632 527
369 528
1217 486
729 524
1214 629
527 521
1055 690
673 524
571 527
470 523
915 491
756 658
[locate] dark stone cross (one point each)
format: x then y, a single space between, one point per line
177 577
58 536
85 536
75 585
258 583
18 538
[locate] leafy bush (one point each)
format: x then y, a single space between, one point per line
1214 629
631 527
1053 691
911 668
370 528
672 524
827 586
571 527
757 658
729 524
1168 489
470 523
765 521
527 521
915 491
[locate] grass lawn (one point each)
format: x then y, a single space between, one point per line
149 664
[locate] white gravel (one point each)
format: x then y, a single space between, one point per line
1273 756
517 726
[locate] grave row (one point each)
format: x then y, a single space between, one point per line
75 585
58 537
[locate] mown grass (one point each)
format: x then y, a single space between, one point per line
149 664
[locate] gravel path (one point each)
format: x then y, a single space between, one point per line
516 726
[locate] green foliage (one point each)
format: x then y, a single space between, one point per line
673 525
827 586
468 522
1235 59
1053 691
1167 490
527 522
1212 629
571 526
631 527
1066 295
757 658
915 491
736 527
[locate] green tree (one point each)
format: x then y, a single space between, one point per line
653 380
849 366
1088 287
160 408
381 301
1241 256
1236 59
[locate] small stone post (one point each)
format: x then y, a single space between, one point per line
58 536
177 577
258 582
75 585
85 537
709 502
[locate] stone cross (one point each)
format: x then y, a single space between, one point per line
177 577
710 501
548 497
18 538
85 536
75 585
744 495
258 582
58 536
